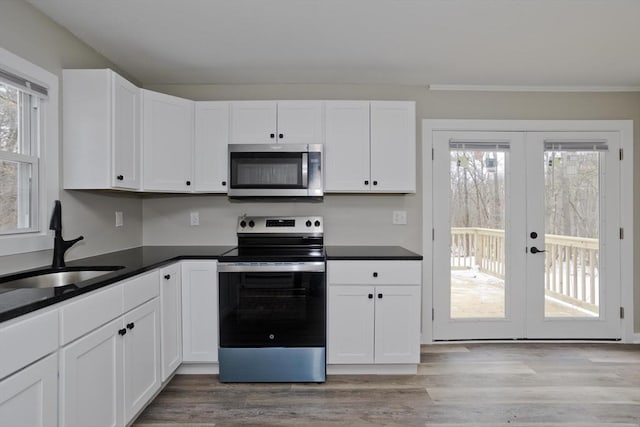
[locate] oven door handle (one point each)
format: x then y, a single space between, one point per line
243 267
305 170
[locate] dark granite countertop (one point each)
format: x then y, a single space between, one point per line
17 302
362 253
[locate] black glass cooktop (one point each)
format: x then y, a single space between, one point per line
274 254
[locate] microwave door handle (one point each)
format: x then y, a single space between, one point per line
305 169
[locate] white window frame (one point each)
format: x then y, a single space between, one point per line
48 167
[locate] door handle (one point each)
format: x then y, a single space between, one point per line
535 250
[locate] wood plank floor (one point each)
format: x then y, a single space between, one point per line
480 385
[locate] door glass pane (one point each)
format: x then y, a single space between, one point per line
572 232
477 195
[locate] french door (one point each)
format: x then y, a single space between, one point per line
526 235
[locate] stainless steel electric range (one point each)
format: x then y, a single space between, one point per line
272 305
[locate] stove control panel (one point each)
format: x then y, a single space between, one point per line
281 225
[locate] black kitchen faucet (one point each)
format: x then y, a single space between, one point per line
60 245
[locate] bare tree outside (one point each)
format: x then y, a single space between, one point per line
9 134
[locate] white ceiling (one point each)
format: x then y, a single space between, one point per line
426 42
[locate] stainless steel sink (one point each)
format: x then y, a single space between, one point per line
56 278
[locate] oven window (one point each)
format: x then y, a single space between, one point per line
266 170
261 309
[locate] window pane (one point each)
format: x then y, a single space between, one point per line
15 196
478 258
9 119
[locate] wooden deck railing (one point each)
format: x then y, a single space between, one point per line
571 263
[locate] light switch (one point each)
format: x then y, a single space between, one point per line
195 218
119 219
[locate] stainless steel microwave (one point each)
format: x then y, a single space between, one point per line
278 170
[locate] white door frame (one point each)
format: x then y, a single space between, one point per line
624 127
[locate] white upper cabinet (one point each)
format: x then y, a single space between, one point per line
101 112
167 141
370 146
268 122
346 147
393 146
210 150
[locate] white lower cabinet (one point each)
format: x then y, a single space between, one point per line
200 311
30 396
171 320
91 380
108 375
373 312
141 357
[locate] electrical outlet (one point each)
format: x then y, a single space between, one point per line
119 219
400 217
195 218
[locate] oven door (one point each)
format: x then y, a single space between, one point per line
272 304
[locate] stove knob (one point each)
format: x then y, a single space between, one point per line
308 223
317 223
252 224
243 223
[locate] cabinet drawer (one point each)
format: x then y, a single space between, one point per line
86 314
374 272
25 341
141 289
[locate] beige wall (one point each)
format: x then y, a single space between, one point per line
28 33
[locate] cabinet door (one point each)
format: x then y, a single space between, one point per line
91 379
167 142
125 131
350 324
200 311
141 357
253 122
397 324
30 397
300 122
171 320
346 146
393 146
212 138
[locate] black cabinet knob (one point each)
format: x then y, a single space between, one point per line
120 177
375 182
370 296
188 182
280 136
131 325
122 332
167 276
224 183
366 182
379 296
375 274
273 135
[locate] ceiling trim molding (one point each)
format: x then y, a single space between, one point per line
515 88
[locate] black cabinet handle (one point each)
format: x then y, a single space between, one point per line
131 325
535 250
379 296
224 183
188 182
273 135
366 182
122 332
375 274
375 182
167 276
370 296
280 136
120 177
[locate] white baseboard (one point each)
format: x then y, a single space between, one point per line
372 369
198 369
